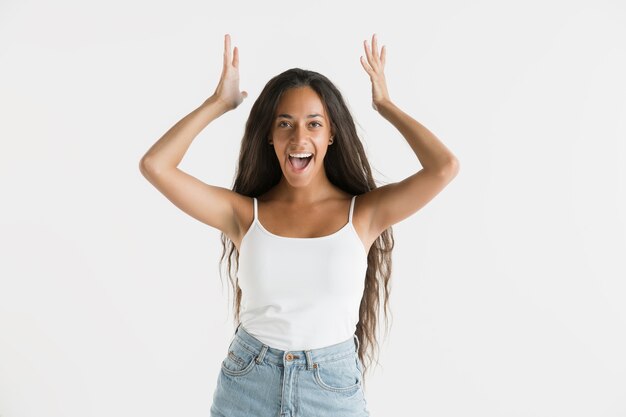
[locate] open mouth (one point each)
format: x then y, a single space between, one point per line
300 164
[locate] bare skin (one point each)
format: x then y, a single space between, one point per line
303 204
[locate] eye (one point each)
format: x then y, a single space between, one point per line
280 124
319 124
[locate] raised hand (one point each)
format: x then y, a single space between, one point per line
227 90
375 69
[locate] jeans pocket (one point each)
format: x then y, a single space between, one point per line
239 360
341 375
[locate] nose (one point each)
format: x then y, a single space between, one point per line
299 132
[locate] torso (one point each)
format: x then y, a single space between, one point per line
321 219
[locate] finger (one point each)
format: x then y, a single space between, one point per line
375 46
236 57
227 56
372 61
383 55
368 54
367 68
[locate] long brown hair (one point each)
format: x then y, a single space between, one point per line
346 167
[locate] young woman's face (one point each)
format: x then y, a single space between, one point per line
300 126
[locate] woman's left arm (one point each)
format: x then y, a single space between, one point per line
394 202
430 151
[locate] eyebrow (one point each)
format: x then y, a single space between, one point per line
288 116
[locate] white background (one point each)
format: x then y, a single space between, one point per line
508 289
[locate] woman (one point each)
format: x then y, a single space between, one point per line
310 233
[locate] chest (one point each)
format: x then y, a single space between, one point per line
273 266
309 223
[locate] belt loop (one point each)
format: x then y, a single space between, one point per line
309 362
261 355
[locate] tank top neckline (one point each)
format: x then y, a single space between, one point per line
345 226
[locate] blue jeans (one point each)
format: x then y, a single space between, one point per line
257 380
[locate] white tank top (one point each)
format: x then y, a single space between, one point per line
301 293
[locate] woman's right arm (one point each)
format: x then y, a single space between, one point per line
170 149
212 205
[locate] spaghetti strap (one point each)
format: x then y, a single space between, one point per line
351 209
256 212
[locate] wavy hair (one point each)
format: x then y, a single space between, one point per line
346 167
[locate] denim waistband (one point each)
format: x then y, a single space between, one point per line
307 357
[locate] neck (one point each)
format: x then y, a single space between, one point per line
314 191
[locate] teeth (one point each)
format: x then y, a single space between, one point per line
300 155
